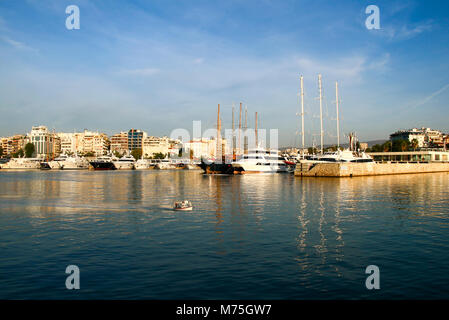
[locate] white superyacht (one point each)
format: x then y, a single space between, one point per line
22 163
125 163
260 160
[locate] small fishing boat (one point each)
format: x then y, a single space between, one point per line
183 206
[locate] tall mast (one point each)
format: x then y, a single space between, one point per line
240 128
257 142
218 133
233 131
338 118
302 114
245 142
321 111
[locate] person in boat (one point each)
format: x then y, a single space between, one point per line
183 204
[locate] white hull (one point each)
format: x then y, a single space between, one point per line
142 165
164 166
254 168
19 164
121 165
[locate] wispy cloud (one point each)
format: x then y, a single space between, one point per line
406 32
431 96
348 67
17 44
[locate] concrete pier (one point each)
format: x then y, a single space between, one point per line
350 169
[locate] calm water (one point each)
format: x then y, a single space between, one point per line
249 237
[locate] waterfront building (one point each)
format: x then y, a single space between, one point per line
94 142
70 142
13 144
119 143
45 142
153 145
4 145
426 137
135 139
411 156
204 147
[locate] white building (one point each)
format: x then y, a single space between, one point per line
45 142
153 145
204 147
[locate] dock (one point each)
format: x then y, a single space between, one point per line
349 169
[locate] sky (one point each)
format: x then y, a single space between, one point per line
159 65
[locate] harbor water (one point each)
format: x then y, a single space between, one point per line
273 236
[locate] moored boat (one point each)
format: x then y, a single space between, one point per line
103 163
125 163
260 160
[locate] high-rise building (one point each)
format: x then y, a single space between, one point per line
135 139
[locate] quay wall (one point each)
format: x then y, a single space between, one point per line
367 169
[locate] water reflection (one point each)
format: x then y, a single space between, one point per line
261 235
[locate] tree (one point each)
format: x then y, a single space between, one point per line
414 144
386 146
376 148
159 155
18 154
137 153
400 145
1 152
29 150
117 154
191 154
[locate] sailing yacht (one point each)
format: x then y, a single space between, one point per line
260 160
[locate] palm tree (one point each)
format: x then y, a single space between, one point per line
414 144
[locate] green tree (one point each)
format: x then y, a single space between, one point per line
117 154
89 154
159 155
137 153
414 144
1 152
191 154
401 145
29 150
18 154
180 153
386 146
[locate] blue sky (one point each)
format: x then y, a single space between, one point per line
159 65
